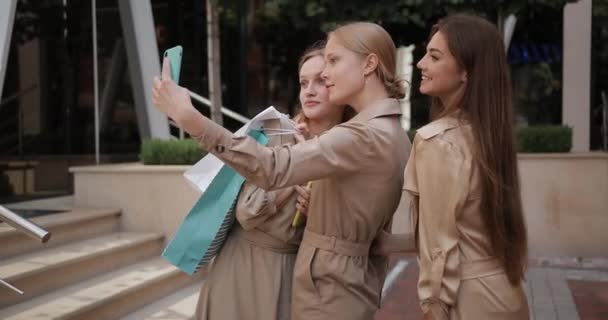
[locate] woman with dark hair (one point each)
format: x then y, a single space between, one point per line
462 172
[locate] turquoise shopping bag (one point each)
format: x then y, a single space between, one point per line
201 235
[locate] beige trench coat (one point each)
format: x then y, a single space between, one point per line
459 276
357 169
251 278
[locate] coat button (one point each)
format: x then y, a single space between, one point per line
220 148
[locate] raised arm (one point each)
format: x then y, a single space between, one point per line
336 152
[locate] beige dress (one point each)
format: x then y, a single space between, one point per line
459 276
251 278
358 168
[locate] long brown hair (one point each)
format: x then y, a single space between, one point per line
487 105
317 49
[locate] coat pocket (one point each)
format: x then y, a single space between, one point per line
305 286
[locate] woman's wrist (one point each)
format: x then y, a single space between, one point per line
190 120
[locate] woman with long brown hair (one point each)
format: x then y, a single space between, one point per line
357 169
462 172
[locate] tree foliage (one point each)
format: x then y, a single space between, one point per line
324 14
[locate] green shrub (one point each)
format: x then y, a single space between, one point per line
411 133
183 152
544 139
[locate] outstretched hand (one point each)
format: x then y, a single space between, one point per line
169 98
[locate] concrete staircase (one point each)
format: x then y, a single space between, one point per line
91 270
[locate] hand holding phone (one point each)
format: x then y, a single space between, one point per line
168 97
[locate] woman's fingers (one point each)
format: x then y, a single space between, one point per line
303 201
302 127
303 210
166 72
170 98
303 192
156 83
303 133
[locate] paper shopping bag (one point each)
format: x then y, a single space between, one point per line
200 175
204 230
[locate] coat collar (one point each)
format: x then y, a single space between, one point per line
438 126
384 107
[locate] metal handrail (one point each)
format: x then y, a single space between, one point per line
225 111
25 226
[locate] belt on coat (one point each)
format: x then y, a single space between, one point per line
264 240
333 244
480 268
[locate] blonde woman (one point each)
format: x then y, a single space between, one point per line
357 167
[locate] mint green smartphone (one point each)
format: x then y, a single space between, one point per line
175 61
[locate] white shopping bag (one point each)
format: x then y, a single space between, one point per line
202 173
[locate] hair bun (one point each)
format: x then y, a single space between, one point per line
396 88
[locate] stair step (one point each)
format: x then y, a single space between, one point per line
76 224
108 296
39 272
178 306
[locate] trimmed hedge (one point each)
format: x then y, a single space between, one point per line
544 139
534 139
411 133
176 152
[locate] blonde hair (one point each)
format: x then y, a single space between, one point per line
317 50
366 38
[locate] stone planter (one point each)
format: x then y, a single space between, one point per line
565 199
152 198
